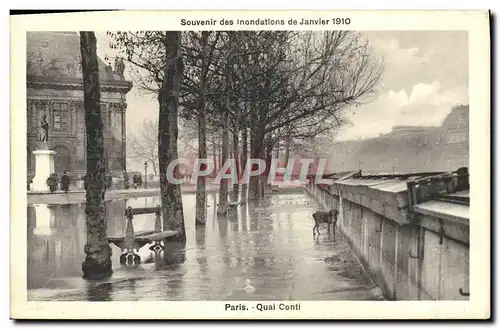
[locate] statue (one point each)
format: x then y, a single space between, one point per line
119 66
44 131
39 63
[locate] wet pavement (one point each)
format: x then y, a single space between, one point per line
264 252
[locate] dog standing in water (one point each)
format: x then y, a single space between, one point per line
328 217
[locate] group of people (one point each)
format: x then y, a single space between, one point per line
53 181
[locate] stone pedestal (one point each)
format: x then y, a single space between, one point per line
44 166
45 218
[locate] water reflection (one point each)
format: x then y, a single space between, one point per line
174 254
99 292
266 244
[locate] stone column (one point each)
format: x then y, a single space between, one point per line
44 167
124 135
45 217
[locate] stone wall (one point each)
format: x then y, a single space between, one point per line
410 255
409 149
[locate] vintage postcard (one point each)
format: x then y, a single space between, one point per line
250 165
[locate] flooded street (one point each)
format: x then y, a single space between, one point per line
261 253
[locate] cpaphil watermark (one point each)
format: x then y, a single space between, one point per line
292 173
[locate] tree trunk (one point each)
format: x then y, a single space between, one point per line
236 155
287 148
268 158
168 97
223 190
97 263
224 183
244 159
230 153
201 184
214 148
220 157
257 152
277 146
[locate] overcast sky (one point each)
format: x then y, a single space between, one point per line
425 74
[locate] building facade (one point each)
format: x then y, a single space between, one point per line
409 148
55 88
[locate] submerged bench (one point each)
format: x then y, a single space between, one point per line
133 240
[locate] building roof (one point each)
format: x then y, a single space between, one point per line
55 57
413 129
443 209
458 118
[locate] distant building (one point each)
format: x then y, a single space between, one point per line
55 88
409 148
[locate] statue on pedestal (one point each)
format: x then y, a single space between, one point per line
44 179
43 135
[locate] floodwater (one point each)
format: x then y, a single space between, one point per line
264 252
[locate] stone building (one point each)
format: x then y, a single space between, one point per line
55 88
455 137
409 148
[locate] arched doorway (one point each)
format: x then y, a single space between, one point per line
62 160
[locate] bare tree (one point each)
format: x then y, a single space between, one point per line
143 145
168 97
188 135
97 262
303 78
274 85
158 69
204 52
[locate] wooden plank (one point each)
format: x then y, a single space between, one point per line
115 239
158 236
145 232
120 243
144 210
136 234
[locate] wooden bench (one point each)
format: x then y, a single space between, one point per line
133 240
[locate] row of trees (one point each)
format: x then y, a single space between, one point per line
142 145
253 87
257 88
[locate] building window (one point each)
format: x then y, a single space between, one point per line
457 137
60 117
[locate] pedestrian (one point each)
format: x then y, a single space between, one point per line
52 183
134 181
65 182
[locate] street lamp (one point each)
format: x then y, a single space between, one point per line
145 174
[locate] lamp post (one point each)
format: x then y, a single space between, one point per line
145 174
